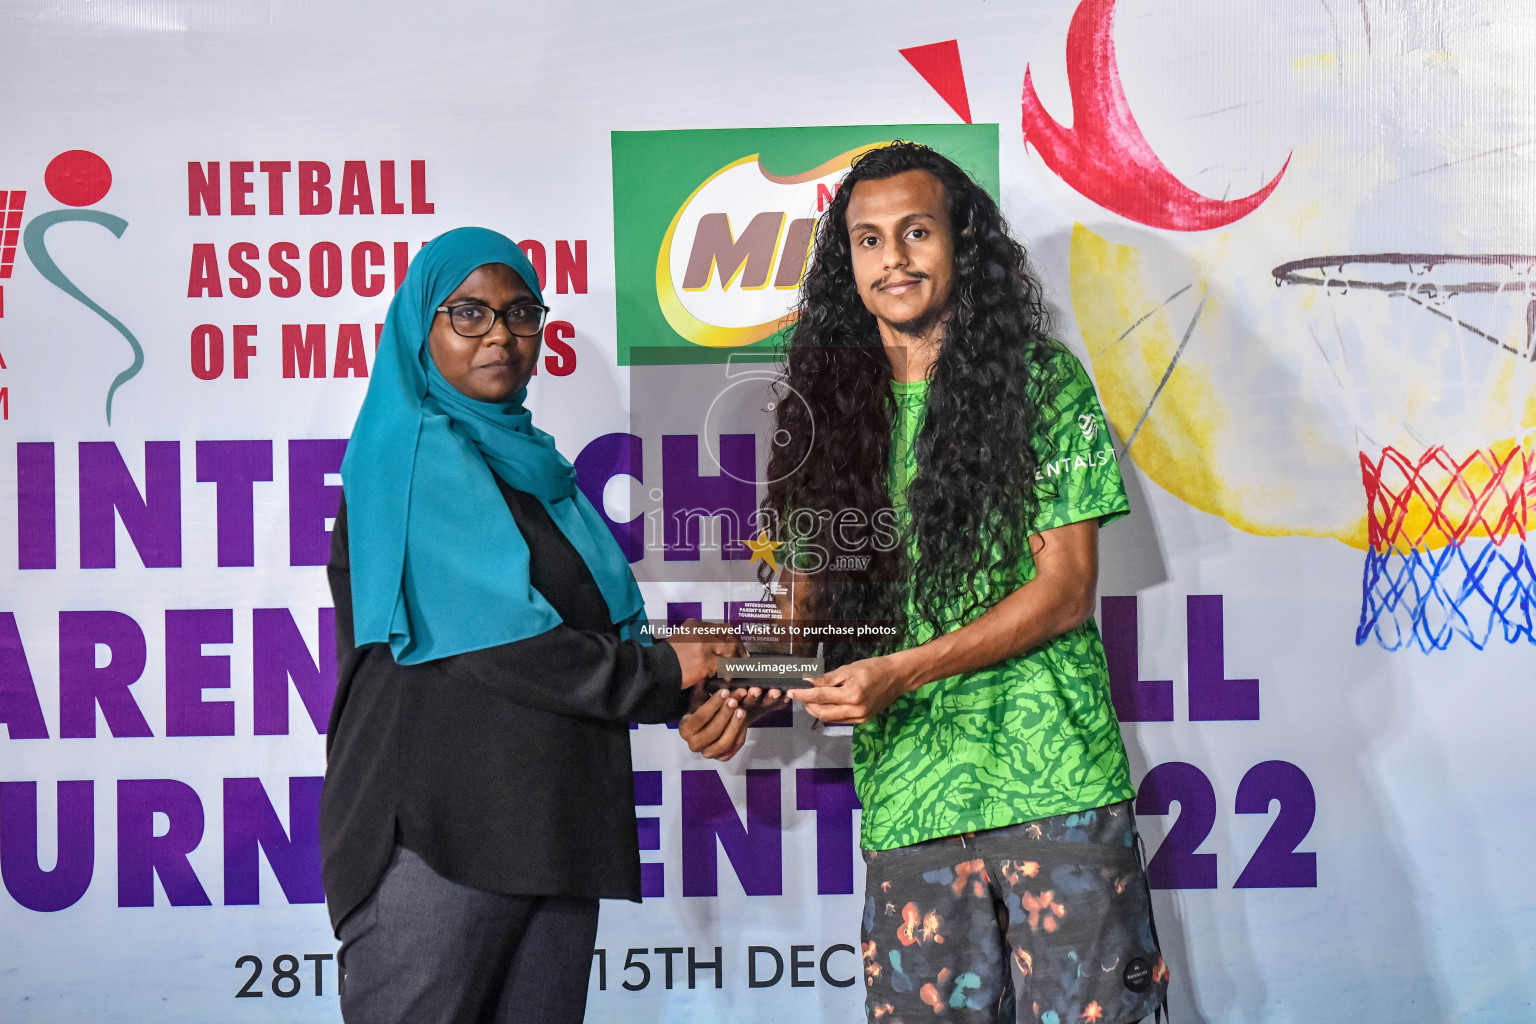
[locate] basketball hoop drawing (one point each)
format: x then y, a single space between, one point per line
1409 275
1447 524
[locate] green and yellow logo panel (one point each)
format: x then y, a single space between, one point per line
713 228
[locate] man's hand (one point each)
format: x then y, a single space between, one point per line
716 723
699 644
856 692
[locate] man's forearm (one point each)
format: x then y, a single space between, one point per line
1037 612
1058 599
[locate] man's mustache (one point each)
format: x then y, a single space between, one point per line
884 282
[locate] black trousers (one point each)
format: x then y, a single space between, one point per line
425 950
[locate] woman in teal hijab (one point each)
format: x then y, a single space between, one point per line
478 798
422 435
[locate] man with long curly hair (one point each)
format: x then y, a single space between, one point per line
945 465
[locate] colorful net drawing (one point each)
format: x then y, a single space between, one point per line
1447 554
1436 346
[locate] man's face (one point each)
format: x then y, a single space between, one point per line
903 250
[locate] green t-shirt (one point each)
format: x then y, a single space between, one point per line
1030 737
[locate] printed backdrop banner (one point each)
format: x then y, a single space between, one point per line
1292 243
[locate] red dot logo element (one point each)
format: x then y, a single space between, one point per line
77 177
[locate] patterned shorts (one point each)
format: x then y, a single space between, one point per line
1047 921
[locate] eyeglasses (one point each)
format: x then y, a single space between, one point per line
475 319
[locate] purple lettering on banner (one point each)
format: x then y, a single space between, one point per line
829 792
251 825
37 543
188 672
152 519
755 850
653 883
605 458
1135 699
687 496
141 855
1176 865
1276 864
83 687
280 654
1212 696
20 711
25 879
233 467
311 501
679 612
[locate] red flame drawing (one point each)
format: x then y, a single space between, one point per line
1104 155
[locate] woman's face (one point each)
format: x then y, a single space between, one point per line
492 367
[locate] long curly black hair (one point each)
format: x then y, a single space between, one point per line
975 490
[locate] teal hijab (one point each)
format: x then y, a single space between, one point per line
438 564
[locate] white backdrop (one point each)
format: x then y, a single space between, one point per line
1363 658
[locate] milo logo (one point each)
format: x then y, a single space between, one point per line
713 229
733 256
